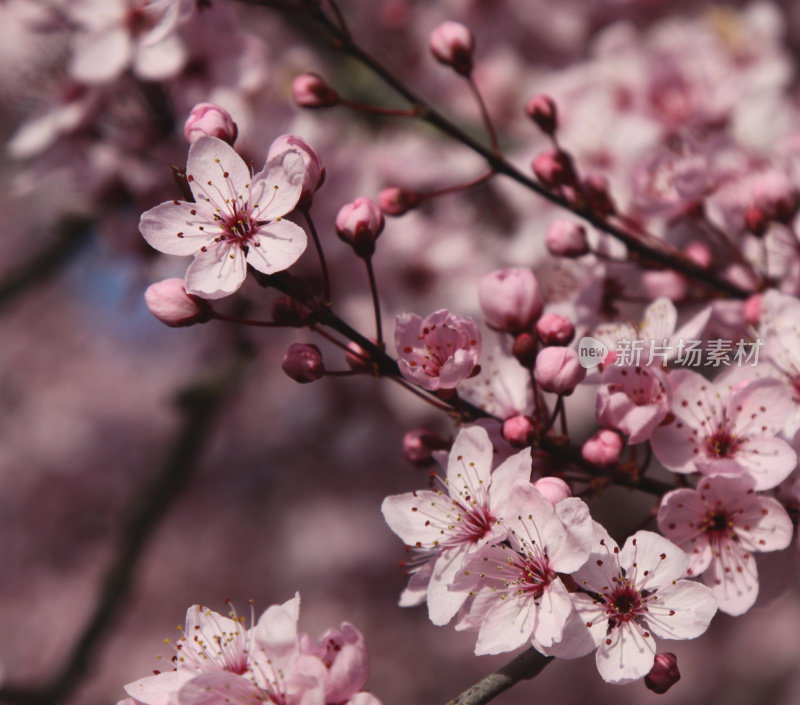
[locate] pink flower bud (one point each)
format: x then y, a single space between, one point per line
359 223
452 44
553 167
343 653
553 488
303 363
310 91
756 221
212 120
776 196
315 172
566 238
664 673
558 370
419 444
603 448
554 329
518 431
595 190
510 299
168 301
542 110
394 200
699 253
752 309
524 349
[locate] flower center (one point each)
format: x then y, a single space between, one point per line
625 603
722 444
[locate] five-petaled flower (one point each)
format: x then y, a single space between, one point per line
237 218
632 595
720 525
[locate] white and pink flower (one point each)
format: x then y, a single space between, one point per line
633 595
721 525
719 431
447 527
237 218
518 595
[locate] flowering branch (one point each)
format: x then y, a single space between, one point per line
652 249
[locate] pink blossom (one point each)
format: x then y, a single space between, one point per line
168 301
448 526
510 299
633 595
717 431
315 171
633 400
558 370
236 220
603 448
517 592
439 351
116 34
720 525
453 44
212 120
344 653
554 329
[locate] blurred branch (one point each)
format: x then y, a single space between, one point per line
528 664
200 404
646 246
72 233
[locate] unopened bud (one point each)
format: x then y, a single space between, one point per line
756 221
359 223
519 431
315 172
524 349
553 168
303 363
595 190
566 238
419 444
699 253
394 200
510 299
209 119
603 448
664 673
168 301
453 44
558 370
542 110
553 488
554 329
310 91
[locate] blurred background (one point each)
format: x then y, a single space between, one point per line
283 483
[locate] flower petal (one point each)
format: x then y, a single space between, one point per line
217 272
681 611
625 655
218 175
276 246
178 228
277 187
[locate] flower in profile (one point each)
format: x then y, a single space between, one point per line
518 594
720 525
448 526
237 218
633 595
439 351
